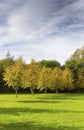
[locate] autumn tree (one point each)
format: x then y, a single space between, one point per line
67 79
13 75
4 63
31 74
56 79
44 79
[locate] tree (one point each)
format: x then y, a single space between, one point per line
67 79
4 63
13 75
56 79
31 74
44 79
49 63
81 78
76 62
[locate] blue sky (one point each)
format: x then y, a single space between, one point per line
41 29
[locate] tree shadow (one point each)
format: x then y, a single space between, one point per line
64 96
20 111
36 126
38 101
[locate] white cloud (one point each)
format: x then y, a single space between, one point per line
36 30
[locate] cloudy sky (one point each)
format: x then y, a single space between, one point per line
41 29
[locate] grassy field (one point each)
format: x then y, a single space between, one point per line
42 112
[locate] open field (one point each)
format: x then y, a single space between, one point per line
42 112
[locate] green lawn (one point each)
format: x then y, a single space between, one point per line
42 112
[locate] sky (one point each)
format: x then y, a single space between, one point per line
41 29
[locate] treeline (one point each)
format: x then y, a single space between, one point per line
43 76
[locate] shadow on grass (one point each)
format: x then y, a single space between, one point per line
36 126
66 96
20 111
39 101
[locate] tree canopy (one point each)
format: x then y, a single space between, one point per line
13 75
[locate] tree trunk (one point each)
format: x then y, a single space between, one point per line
45 90
16 93
56 90
78 90
32 91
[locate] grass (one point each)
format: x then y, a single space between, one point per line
42 112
